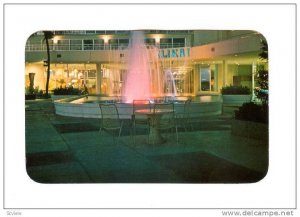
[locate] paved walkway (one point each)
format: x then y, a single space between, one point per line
71 150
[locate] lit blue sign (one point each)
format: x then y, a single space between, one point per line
174 53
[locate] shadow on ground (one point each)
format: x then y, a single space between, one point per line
71 150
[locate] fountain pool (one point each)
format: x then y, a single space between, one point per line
88 106
145 78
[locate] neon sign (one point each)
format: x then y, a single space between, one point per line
174 53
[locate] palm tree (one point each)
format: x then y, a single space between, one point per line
47 36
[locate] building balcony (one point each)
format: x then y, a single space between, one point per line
82 52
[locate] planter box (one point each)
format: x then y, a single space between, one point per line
250 129
57 97
30 97
236 100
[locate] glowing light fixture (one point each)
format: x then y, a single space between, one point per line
157 39
55 39
106 38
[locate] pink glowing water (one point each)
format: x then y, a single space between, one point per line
138 80
145 77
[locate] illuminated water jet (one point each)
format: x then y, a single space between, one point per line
144 78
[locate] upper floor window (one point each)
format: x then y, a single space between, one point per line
113 43
88 44
165 42
76 44
150 41
90 31
98 44
178 42
62 45
123 43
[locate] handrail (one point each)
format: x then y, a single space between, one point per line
93 47
108 32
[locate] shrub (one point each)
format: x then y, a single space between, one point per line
235 90
32 91
253 112
262 94
68 91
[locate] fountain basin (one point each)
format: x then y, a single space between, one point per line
88 106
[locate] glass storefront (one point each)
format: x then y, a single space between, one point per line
208 78
75 75
176 77
240 75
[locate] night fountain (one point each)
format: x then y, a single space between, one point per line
169 83
145 79
137 83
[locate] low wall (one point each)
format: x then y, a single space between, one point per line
236 100
57 97
66 107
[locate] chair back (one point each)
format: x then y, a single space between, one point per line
110 116
187 106
167 118
140 104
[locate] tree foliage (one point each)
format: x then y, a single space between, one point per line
262 75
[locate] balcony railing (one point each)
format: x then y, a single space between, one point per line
92 47
76 47
108 32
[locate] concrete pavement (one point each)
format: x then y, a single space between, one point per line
71 150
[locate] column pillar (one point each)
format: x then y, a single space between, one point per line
224 73
196 80
31 80
254 66
98 78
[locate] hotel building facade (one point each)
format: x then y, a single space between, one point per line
201 61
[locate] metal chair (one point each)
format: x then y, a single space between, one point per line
140 119
183 118
186 115
167 120
110 120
